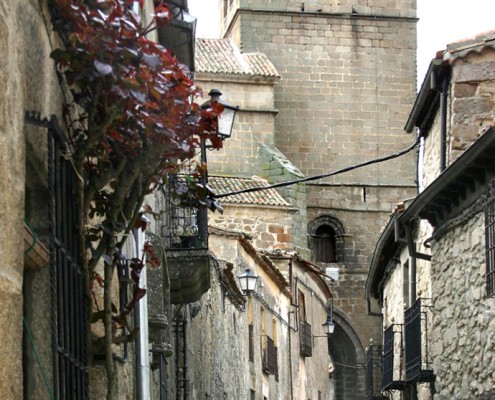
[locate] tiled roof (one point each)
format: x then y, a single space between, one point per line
476 44
268 197
221 56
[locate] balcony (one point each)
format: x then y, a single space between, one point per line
418 364
180 34
374 373
393 353
185 237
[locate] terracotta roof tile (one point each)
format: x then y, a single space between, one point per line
268 197
221 56
476 44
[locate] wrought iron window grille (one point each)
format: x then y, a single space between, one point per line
418 363
69 302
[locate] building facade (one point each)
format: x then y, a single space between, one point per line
432 270
347 82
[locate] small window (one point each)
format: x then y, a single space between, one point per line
326 240
325 244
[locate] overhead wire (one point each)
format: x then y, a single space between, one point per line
321 176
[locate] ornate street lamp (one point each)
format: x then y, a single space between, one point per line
247 281
226 118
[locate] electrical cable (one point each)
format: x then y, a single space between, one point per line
326 175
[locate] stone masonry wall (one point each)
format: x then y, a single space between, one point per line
28 83
473 105
463 328
362 221
270 228
254 123
226 372
394 7
347 87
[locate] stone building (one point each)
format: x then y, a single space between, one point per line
268 345
432 269
345 83
44 353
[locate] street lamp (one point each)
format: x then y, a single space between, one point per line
226 118
329 325
247 281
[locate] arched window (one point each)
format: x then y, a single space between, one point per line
326 240
325 244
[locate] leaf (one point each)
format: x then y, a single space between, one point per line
102 68
138 294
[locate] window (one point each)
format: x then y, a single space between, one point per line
325 244
251 343
326 240
490 240
70 323
305 336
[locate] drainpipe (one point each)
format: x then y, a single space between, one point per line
443 126
141 323
413 255
290 358
412 279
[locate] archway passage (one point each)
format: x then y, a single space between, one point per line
348 360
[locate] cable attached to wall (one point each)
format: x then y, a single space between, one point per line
326 175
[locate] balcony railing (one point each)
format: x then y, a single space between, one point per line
418 364
187 222
374 373
393 353
306 339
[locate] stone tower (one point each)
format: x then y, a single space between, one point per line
348 78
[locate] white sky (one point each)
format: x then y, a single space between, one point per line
440 22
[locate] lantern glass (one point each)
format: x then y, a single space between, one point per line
329 326
247 281
226 122
226 118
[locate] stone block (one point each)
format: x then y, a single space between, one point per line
11 348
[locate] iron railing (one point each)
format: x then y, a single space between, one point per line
392 358
187 221
306 339
490 240
69 302
418 365
374 373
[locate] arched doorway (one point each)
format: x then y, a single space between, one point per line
348 360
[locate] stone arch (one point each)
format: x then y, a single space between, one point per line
326 239
348 357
